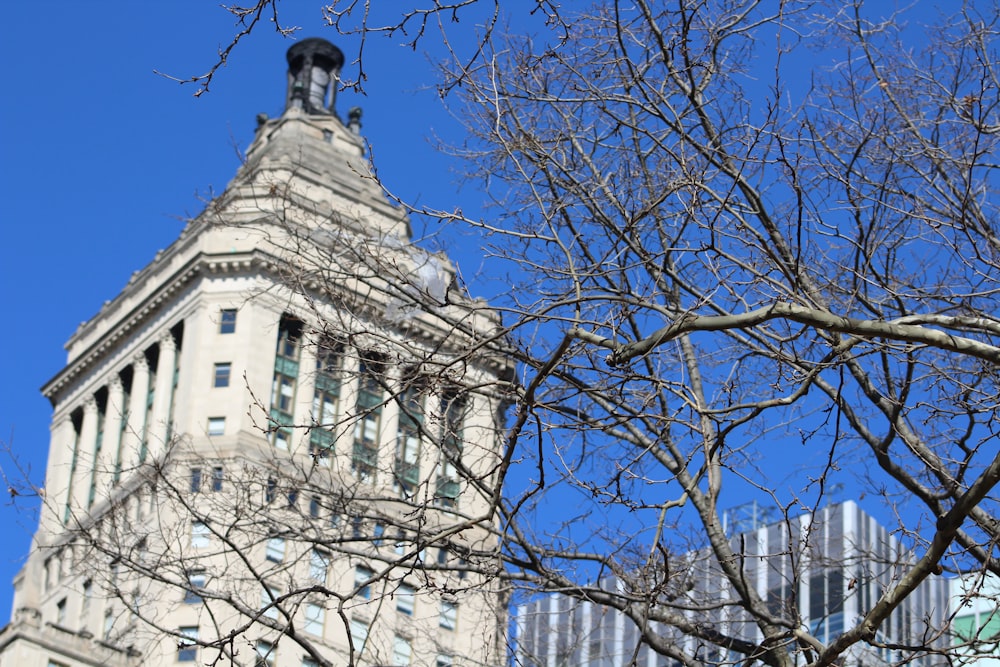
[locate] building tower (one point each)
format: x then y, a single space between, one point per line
278 444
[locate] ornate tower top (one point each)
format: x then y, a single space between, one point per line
313 70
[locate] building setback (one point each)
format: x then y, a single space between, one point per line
269 448
818 571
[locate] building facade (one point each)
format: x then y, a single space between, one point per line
820 572
277 445
975 619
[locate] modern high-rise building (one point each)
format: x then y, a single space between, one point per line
278 444
818 571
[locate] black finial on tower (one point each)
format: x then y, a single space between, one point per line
313 70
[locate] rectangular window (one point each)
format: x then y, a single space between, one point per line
268 601
404 599
276 549
378 534
195 480
453 407
187 645
283 393
286 373
361 577
315 616
265 654
314 507
227 321
411 420
222 372
400 651
447 490
109 624
448 616
369 410
365 455
61 612
443 660
216 425
270 489
359 634
217 475
199 535
319 564
289 332
325 398
196 582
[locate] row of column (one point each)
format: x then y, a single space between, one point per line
348 413
133 427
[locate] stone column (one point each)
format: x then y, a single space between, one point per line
348 406
84 457
57 477
389 428
159 426
132 440
111 442
304 390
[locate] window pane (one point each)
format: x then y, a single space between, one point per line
227 321
268 597
448 616
400 651
222 372
361 575
318 565
314 619
359 634
265 654
276 549
196 582
187 649
216 425
217 475
199 535
404 599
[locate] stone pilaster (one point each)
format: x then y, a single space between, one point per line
111 442
158 427
84 455
132 439
306 387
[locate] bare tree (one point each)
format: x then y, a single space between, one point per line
725 258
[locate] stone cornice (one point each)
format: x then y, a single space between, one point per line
131 321
250 263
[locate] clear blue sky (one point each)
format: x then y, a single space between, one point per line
101 159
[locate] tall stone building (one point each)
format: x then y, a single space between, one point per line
278 444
